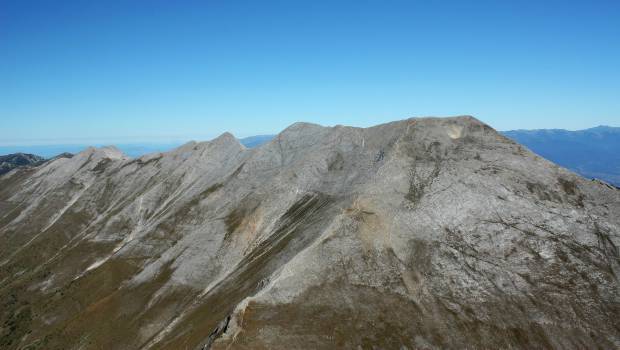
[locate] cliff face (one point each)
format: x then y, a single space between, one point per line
422 233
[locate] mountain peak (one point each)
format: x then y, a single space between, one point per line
227 138
111 152
299 127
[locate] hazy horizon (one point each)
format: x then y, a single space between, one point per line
165 140
138 148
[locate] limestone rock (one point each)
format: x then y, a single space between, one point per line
426 233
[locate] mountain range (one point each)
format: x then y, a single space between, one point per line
593 153
17 160
133 149
423 233
12 161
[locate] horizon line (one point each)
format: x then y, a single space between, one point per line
170 139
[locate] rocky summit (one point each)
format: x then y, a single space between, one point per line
426 233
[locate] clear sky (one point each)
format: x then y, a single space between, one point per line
120 71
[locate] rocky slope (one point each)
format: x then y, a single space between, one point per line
12 161
417 234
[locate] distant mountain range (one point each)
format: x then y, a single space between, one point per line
17 160
255 141
130 149
592 153
12 161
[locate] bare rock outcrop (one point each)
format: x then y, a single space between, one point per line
426 233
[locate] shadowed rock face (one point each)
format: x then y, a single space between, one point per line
419 234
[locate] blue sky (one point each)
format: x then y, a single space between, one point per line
128 71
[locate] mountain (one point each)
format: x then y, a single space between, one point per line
424 233
134 149
593 153
12 161
16 160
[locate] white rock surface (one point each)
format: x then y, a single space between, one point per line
422 233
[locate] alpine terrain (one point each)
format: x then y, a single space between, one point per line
426 233
12 161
